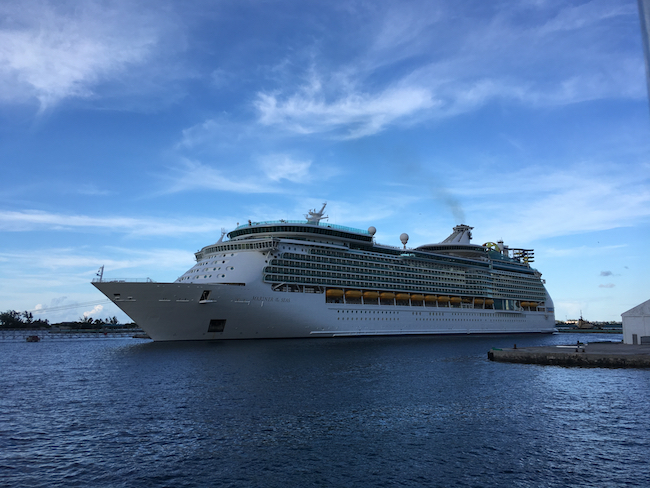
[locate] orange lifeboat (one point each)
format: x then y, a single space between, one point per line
478 301
455 300
443 299
430 298
386 295
403 296
353 294
334 293
417 297
370 295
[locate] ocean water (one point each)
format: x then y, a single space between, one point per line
366 412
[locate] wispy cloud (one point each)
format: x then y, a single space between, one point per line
497 57
357 114
50 51
33 220
607 285
279 167
544 202
191 175
581 251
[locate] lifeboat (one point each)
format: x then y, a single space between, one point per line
532 304
386 295
443 299
525 304
417 297
370 295
334 293
455 300
467 300
489 301
478 301
353 294
430 298
403 296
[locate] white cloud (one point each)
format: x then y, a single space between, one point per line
582 251
560 54
79 265
33 220
52 51
96 310
356 114
283 167
196 175
543 202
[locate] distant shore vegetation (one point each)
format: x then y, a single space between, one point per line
12 319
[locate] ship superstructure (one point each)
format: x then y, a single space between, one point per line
310 278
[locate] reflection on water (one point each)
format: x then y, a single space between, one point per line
345 412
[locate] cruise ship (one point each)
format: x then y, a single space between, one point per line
310 278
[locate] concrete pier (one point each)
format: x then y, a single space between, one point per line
597 354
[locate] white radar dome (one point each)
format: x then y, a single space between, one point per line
372 230
404 238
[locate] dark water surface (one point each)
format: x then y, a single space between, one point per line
420 411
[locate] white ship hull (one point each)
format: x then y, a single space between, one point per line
175 312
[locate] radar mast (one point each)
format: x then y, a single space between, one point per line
314 217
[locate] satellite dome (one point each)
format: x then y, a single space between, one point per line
372 230
404 238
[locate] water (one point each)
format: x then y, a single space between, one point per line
328 412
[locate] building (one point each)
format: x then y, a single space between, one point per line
636 324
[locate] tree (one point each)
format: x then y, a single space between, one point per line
11 319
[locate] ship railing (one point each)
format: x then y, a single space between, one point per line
304 222
123 280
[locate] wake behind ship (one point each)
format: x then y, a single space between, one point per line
307 278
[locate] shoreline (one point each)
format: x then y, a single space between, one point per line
597 354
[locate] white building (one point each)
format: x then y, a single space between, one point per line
636 324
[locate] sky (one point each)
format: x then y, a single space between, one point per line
133 131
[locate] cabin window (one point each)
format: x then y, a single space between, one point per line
205 295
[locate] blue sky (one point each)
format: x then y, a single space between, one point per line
132 131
